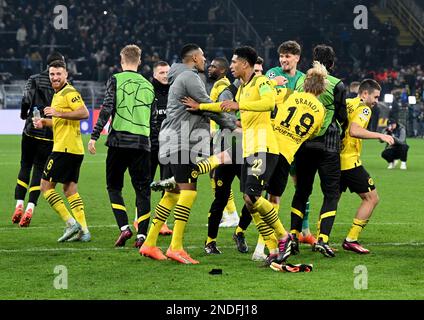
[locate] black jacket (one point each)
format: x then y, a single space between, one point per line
399 134
161 99
331 139
38 93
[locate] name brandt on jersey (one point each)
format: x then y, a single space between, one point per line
307 103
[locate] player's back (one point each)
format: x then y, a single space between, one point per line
298 118
178 125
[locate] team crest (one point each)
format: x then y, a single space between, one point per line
370 181
219 183
194 174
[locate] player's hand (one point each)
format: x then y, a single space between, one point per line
92 146
24 115
238 130
51 112
190 103
38 123
229 105
281 81
388 139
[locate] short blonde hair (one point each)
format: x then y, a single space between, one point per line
131 54
316 79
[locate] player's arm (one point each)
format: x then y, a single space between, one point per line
266 101
360 121
193 105
401 139
108 107
154 114
29 92
198 95
340 104
43 122
80 113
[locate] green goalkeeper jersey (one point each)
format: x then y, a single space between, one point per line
278 71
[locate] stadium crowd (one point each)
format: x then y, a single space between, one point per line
96 32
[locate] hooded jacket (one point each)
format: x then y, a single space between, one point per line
38 93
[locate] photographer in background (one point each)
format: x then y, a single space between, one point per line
399 150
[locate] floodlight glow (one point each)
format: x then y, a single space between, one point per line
388 98
412 100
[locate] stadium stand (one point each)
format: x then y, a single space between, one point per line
96 33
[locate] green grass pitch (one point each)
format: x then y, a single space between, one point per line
97 270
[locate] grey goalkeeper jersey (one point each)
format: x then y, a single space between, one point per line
183 130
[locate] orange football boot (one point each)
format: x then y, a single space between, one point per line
26 219
17 215
152 252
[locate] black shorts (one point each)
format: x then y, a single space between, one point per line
182 173
278 182
357 180
63 167
256 173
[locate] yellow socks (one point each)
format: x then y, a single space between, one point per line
206 165
181 214
356 229
265 231
77 207
162 211
270 217
231 205
55 201
210 240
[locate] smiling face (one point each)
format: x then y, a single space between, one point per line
58 77
289 61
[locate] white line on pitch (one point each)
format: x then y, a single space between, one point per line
129 248
11 228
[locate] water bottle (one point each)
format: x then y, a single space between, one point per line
36 114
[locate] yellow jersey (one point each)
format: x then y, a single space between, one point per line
256 100
218 87
351 147
299 117
66 133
